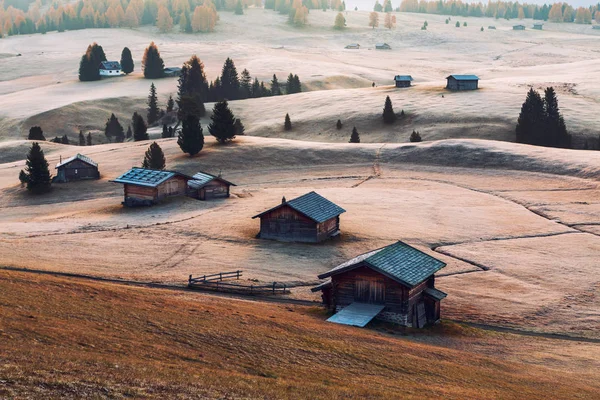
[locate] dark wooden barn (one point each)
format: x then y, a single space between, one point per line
538 25
204 186
403 80
78 167
394 284
309 218
462 82
145 187
519 27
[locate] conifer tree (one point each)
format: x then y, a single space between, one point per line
388 112
114 129
275 89
338 125
170 104
139 128
36 133
245 85
230 82
89 65
415 136
154 157
88 140
239 8
129 132
192 89
81 139
153 111
287 125
340 22
152 63
64 140
256 89
36 174
127 64
354 137
239 127
222 126
191 139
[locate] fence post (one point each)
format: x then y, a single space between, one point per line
190 280
284 287
220 276
274 287
238 274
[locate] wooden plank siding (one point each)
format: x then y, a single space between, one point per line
76 170
287 224
213 190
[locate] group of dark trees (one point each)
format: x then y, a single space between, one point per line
36 133
152 63
540 121
36 174
89 65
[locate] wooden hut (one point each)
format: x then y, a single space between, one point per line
353 46
78 167
519 27
394 284
403 81
204 186
382 46
462 82
309 218
110 68
145 187
538 25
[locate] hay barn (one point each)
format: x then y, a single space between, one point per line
145 187
76 168
462 82
204 186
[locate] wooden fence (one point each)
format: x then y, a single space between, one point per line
215 282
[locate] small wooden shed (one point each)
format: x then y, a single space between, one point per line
462 82
145 187
204 186
538 25
382 46
354 46
395 283
403 81
519 27
110 68
172 71
78 167
309 218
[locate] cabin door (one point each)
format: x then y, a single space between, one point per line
369 291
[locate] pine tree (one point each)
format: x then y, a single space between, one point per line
255 92
297 84
532 114
340 21
129 132
287 125
152 63
192 89
170 104
127 64
354 137
153 111
239 127
36 174
36 133
64 140
230 82
114 129
415 136
222 126
338 125
89 65
388 112
275 89
81 139
556 129
191 139
154 157
165 132
239 8
88 140
139 128
245 85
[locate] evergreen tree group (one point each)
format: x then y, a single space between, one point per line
153 110
88 139
89 65
152 63
389 117
415 136
81 139
192 89
354 137
36 174
230 83
293 84
36 133
127 64
139 128
154 157
223 125
191 138
540 122
114 130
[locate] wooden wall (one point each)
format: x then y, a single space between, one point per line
176 186
287 224
140 192
454 84
213 190
76 170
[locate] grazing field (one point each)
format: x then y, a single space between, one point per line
67 339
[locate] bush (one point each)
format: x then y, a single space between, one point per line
415 136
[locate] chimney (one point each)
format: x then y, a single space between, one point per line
283 200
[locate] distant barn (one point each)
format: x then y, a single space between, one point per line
145 187
76 168
595 26
383 46
353 46
403 80
172 71
309 218
491 27
110 68
519 27
462 82
538 25
395 283
204 186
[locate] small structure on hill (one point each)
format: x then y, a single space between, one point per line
172 71
353 46
204 186
145 187
596 26
403 81
491 27
538 25
110 68
76 168
462 82
382 46
309 218
395 283
519 27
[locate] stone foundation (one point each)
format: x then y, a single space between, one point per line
394 318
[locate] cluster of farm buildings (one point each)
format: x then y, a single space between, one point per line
454 82
395 283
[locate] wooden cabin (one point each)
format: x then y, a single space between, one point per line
462 82
538 25
595 26
395 284
204 186
354 46
145 187
110 68
403 81
491 27
310 218
76 168
172 71
519 27
382 46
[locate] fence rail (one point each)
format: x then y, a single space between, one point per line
215 282
215 277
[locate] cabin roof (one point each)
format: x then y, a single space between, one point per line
172 69
435 293
399 261
147 177
403 78
202 178
77 156
110 65
464 77
313 206
519 26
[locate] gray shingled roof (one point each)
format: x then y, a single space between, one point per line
78 156
146 177
202 178
399 261
435 293
464 77
313 206
110 65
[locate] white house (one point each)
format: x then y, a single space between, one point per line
110 68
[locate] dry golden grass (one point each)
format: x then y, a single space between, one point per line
61 338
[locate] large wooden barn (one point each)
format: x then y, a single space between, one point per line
403 81
204 186
145 187
76 168
462 82
309 218
395 284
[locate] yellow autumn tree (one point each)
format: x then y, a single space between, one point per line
120 15
301 16
521 13
164 22
111 17
373 19
555 14
131 17
597 17
390 21
340 21
583 16
204 18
